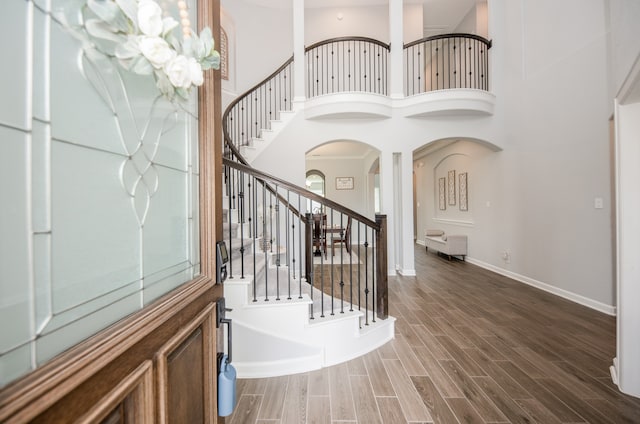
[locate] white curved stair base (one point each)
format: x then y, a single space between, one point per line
273 338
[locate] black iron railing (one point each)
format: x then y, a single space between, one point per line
335 256
253 111
446 61
347 64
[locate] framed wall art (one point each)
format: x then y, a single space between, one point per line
452 187
442 196
462 188
344 183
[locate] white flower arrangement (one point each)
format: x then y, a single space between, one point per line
143 42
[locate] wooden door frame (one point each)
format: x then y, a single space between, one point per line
82 383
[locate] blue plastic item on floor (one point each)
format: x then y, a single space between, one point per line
226 388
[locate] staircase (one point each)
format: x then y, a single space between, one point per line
259 143
281 324
293 311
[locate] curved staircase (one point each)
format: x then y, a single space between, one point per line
283 325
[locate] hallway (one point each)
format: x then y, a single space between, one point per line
471 347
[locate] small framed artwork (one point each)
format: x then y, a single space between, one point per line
344 183
442 196
452 187
462 188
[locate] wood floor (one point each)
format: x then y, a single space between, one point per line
471 347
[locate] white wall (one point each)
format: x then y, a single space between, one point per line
263 41
625 38
355 199
534 197
322 23
412 20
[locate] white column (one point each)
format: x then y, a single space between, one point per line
386 206
396 38
298 52
627 366
406 174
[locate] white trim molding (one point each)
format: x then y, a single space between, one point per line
584 301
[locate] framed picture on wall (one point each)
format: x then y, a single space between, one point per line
452 187
442 196
462 188
344 183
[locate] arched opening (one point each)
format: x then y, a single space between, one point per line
348 170
315 183
454 188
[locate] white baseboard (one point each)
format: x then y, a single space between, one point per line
585 301
407 272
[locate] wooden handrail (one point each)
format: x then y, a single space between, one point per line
225 129
301 191
454 35
348 38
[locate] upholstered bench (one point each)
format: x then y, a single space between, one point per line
450 245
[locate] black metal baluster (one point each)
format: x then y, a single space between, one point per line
351 268
366 278
359 271
331 267
264 242
256 238
455 66
241 222
477 62
317 72
437 42
229 220
287 249
249 199
277 210
342 237
349 63
373 275
300 249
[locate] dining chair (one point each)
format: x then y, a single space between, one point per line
343 237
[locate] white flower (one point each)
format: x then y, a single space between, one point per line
196 72
157 51
150 18
183 72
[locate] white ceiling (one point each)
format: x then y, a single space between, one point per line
446 13
341 149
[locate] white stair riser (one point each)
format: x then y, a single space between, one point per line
339 338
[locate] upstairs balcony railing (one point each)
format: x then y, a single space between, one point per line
446 61
359 64
347 64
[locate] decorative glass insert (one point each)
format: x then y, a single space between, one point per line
102 172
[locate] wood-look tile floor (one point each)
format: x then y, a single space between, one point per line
471 346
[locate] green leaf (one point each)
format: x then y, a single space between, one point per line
168 24
127 50
99 29
211 62
141 66
164 85
183 92
207 39
173 42
195 48
130 9
110 13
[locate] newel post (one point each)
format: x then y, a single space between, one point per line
308 247
382 292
